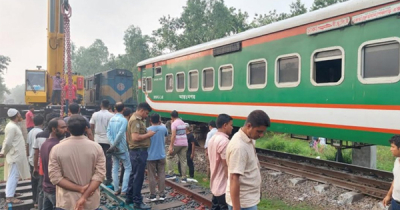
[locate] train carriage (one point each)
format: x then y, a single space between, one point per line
333 72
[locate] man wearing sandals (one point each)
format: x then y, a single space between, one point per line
16 165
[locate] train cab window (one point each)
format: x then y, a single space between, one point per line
327 66
257 74
287 70
149 85
225 77
169 83
158 71
208 79
180 82
379 61
193 80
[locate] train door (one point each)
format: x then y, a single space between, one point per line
97 87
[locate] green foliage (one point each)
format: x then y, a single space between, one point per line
201 21
4 61
273 204
90 60
318 4
283 143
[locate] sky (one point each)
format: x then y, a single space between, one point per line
23 23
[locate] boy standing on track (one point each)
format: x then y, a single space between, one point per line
178 146
156 158
244 178
393 196
77 167
139 142
189 154
218 167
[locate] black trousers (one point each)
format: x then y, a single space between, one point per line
190 164
35 183
108 161
219 203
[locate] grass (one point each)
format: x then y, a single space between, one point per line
275 204
283 142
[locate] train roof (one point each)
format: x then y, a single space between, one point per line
108 71
310 17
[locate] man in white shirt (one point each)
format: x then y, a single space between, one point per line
213 129
393 196
99 123
16 165
38 120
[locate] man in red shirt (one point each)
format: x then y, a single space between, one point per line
29 118
71 92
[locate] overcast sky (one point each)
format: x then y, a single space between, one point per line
23 25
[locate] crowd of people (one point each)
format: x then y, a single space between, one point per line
68 158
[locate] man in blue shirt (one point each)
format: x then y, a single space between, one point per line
116 134
156 158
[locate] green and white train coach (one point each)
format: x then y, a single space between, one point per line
333 72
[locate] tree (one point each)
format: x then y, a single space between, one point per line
90 60
318 4
297 8
201 21
4 61
17 94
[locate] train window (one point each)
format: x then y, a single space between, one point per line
169 83
327 66
287 70
208 79
180 82
225 75
193 80
149 85
257 74
158 71
379 61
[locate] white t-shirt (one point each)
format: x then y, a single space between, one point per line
209 135
322 141
100 120
396 180
31 140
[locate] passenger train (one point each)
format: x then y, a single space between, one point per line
333 72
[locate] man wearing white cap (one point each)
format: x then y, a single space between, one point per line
16 165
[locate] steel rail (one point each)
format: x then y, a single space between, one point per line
379 184
186 191
373 192
331 164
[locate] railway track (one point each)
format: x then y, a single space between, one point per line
374 183
178 196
